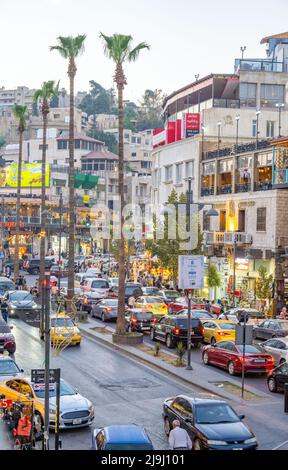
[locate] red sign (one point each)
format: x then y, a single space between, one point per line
5 403
170 132
192 124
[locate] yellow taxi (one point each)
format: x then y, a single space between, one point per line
64 330
154 304
218 330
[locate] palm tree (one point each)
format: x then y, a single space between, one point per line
45 93
70 48
20 113
119 48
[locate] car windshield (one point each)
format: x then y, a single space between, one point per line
213 414
100 284
171 293
131 289
284 325
154 300
143 316
227 326
20 295
200 314
8 368
111 302
4 286
250 349
127 446
182 323
65 389
66 322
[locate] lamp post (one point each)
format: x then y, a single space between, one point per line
199 92
279 106
60 238
257 127
219 127
237 130
202 140
242 49
234 268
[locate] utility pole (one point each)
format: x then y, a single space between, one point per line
60 238
189 367
234 267
46 290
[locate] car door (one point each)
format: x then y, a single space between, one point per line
221 353
272 347
208 330
272 329
282 375
261 330
97 309
280 350
187 419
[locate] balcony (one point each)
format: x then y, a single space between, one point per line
242 148
225 189
224 103
207 191
263 186
258 65
226 238
243 188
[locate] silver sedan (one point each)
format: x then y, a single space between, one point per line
278 348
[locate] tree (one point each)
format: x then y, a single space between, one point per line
20 113
213 278
109 139
150 112
45 94
71 47
264 285
131 116
97 101
167 250
119 48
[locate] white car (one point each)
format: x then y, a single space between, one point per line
93 271
99 285
278 348
113 281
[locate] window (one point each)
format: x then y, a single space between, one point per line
62 144
261 219
77 144
110 188
146 154
133 140
179 172
247 94
189 169
146 164
168 173
241 220
222 221
271 94
270 128
254 128
41 146
56 116
55 162
133 154
138 140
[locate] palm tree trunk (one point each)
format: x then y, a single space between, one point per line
17 231
43 204
71 269
120 326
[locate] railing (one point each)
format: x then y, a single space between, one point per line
235 150
207 191
263 186
28 220
225 103
227 238
243 188
225 189
259 65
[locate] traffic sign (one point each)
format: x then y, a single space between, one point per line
191 271
38 375
239 338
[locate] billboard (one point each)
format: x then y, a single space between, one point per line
191 124
31 175
191 271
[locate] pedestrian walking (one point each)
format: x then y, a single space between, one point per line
179 437
4 310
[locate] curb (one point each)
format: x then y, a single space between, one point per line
226 396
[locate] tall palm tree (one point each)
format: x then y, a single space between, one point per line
45 93
119 48
71 47
20 113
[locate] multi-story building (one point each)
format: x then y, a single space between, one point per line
230 162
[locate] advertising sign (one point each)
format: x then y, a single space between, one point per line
191 124
191 271
31 175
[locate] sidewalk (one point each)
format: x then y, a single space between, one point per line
206 378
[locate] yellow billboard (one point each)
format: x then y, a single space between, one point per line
31 176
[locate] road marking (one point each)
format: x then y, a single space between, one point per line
280 445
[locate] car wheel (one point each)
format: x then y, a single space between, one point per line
197 445
231 368
11 351
167 427
206 358
169 342
103 317
272 386
213 341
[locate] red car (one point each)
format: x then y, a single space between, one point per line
229 356
7 340
182 303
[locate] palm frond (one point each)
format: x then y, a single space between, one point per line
134 53
61 50
69 46
116 47
46 92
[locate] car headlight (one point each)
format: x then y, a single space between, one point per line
91 408
35 306
12 305
216 443
251 440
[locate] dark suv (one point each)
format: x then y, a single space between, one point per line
132 289
32 266
172 329
138 319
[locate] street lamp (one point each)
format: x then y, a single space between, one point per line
257 127
279 106
202 140
219 123
237 130
242 49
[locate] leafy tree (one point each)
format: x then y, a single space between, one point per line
119 48
97 101
150 112
70 48
109 139
213 278
264 285
131 116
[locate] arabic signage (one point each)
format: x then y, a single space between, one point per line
38 376
191 271
31 176
191 123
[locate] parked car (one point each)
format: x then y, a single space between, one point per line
32 266
218 330
169 295
172 329
20 300
88 299
76 411
121 437
202 314
10 263
181 303
106 309
253 316
132 289
9 368
154 304
212 424
98 285
277 378
271 329
55 271
113 281
278 348
138 319
229 356
5 285
7 339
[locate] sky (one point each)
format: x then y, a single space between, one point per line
187 37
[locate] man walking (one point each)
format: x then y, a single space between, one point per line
179 438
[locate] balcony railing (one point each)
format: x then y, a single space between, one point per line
226 238
242 148
258 65
225 189
207 191
263 186
243 188
224 103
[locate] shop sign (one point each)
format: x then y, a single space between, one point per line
191 124
5 403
